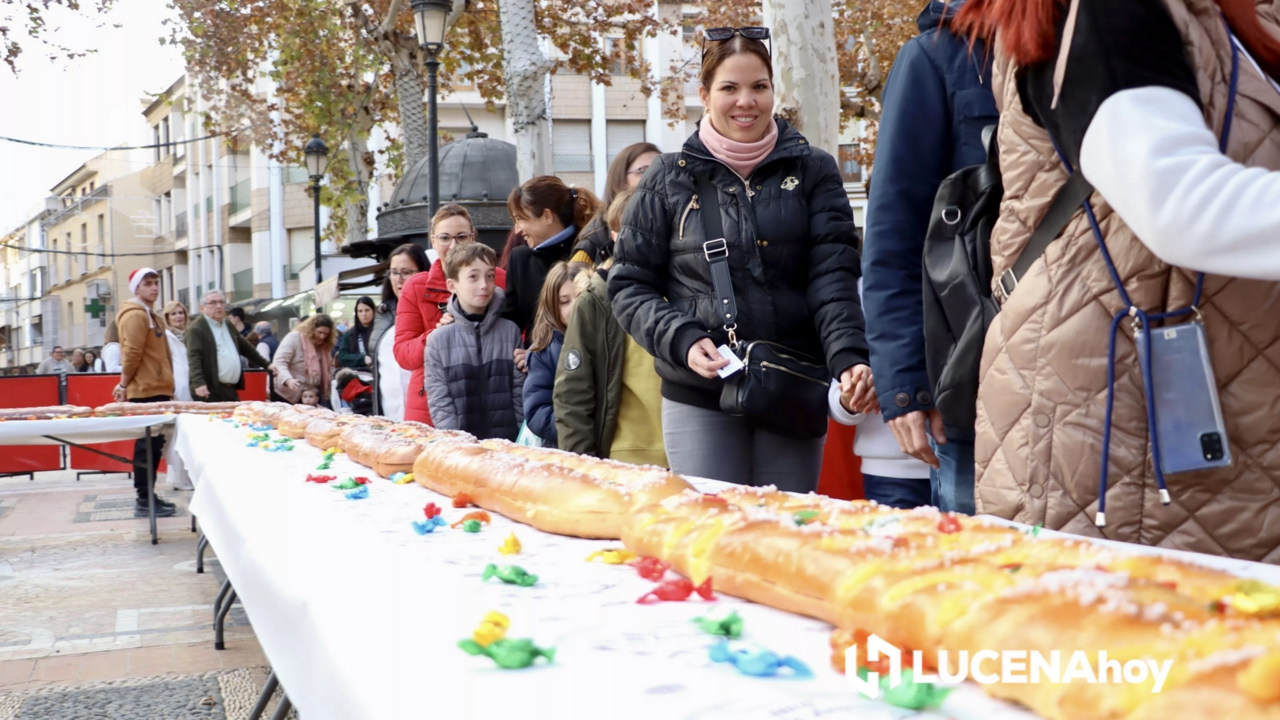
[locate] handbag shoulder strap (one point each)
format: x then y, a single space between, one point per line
716 250
1064 206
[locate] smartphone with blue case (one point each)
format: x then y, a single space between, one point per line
1189 421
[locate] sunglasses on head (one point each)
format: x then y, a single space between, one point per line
721 34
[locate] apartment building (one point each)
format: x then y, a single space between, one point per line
100 224
24 282
592 123
226 205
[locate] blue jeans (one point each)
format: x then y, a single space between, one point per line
952 482
903 493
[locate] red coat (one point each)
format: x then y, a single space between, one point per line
422 304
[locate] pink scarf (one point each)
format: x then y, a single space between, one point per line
318 367
742 157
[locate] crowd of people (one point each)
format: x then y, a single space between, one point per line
719 306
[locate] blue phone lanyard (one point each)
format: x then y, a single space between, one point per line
1142 320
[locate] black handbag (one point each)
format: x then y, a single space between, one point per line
781 390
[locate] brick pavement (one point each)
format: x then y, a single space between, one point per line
86 598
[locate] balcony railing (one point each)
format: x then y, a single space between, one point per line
291 271
180 225
240 196
296 175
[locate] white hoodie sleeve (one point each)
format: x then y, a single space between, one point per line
1150 154
838 413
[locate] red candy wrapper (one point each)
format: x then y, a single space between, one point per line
651 568
677 590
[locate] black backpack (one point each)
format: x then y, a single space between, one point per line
958 300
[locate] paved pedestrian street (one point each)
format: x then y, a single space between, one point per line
95 622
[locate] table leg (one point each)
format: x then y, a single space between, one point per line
282 710
193 521
151 488
267 691
221 621
222 595
200 548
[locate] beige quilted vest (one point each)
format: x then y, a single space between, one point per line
1043 387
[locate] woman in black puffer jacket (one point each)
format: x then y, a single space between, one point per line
793 259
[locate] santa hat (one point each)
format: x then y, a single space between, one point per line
137 276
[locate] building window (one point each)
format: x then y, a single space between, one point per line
155 138
620 134
621 60
84 247
850 170
53 264
35 332
164 135
460 80
571 146
102 239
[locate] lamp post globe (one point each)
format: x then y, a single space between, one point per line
430 19
317 157
317 154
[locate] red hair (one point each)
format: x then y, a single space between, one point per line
1027 28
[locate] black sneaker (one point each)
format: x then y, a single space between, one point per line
162 503
162 510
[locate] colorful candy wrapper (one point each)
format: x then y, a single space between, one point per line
721 620
677 590
507 653
480 516
510 574
359 494
422 527
491 629
757 661
510 546
651 568
613 556
471 526
402 478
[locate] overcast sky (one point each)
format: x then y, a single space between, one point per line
94 100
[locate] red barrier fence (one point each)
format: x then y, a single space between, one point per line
94 390
18 391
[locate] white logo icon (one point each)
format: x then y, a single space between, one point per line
876 646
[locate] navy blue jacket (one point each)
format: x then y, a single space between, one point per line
538 411
936 103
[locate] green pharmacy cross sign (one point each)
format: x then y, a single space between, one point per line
94 307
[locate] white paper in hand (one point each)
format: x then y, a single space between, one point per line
734 363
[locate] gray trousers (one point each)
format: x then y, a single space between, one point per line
711 444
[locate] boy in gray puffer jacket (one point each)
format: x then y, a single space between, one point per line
472 381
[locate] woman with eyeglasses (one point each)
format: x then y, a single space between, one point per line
595 243
789 254
426 297
389 380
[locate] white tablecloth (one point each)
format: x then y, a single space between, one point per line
360 616
79 430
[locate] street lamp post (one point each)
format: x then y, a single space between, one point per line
317 162
429 18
